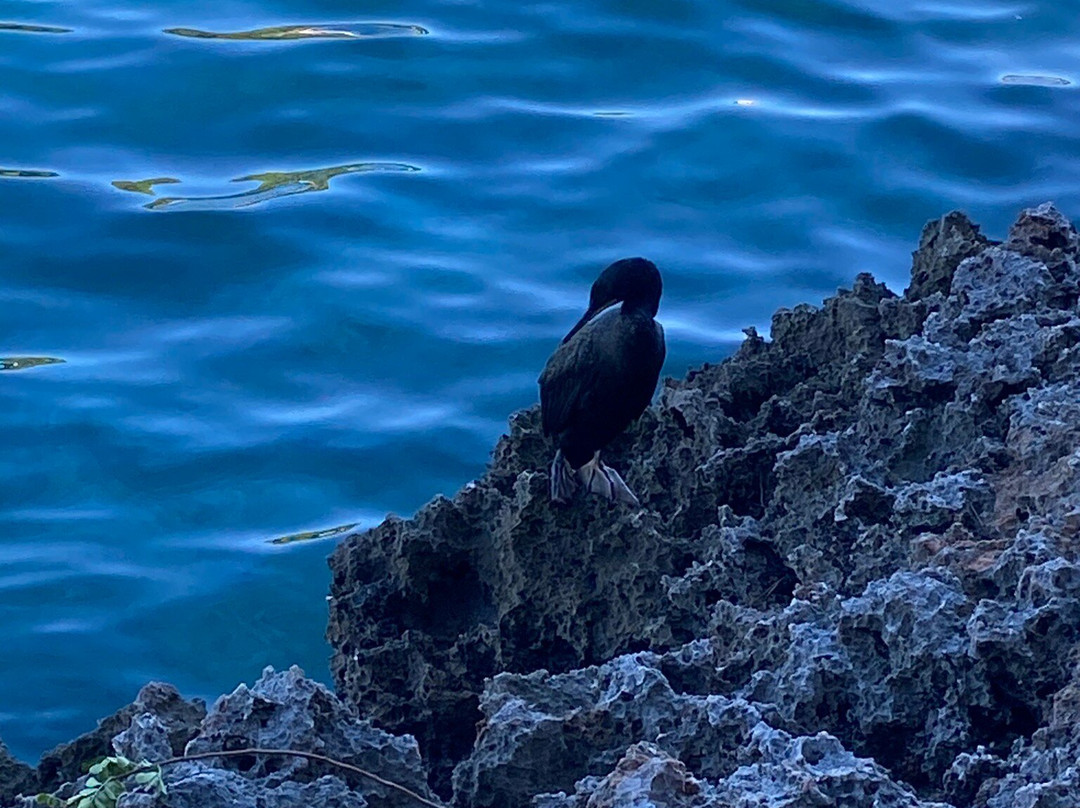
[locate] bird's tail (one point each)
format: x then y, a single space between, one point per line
563 484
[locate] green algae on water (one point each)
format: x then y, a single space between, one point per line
274 185
26 174
313 535
319 178
24 362
26 28
370 30
142 186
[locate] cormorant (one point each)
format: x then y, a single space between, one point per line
602 377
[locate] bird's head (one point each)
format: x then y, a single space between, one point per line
634 282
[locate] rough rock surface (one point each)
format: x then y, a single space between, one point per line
854 580
281 711
287 711
15 777
180 717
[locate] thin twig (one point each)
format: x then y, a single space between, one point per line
292 753
772 588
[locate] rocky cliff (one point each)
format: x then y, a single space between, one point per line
853 582
854 579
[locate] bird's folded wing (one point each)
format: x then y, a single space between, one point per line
566 385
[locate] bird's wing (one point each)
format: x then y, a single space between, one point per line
641 377
566 384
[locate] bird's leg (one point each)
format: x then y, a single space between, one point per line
605 481
562 479
596 482
620 491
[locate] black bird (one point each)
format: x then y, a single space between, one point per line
602 377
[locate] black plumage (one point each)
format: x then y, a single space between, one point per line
602 377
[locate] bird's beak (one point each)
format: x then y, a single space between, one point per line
592 312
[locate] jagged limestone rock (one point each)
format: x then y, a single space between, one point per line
865 526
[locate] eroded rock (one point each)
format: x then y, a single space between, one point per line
178 719
15 777
281 711
865 527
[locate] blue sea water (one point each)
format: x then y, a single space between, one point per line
374 233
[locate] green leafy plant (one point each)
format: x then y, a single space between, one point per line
105 784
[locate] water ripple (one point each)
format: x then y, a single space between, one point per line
27 173
26 28
315 535
272 185
25 362
359 30
1035 81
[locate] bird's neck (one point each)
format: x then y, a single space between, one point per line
637 308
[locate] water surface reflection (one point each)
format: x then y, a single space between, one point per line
360 30
24 362
272 185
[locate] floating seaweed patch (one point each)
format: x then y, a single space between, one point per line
273 185
24 362
313 535
25 28
1035 81
319 178
26 173
142 186
364 30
